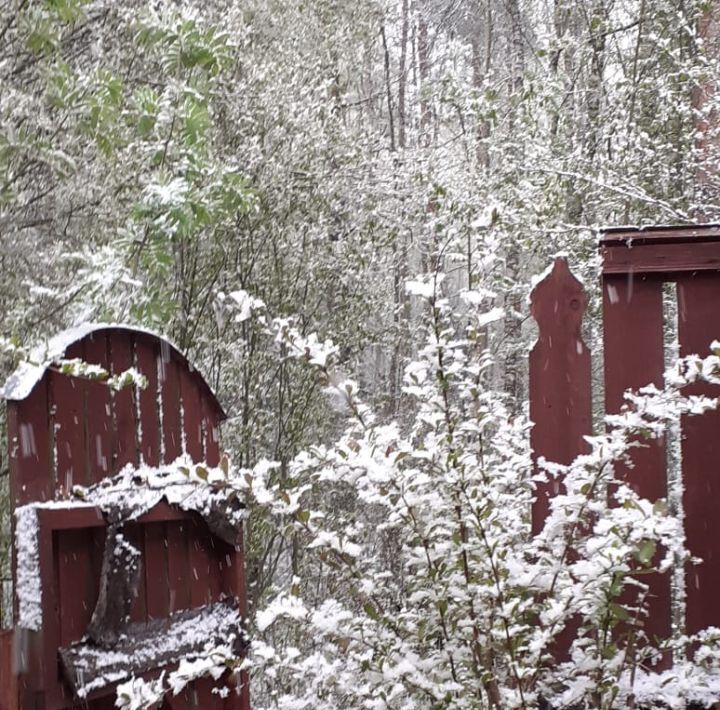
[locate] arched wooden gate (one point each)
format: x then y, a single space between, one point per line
66 431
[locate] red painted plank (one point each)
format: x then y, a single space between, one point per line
156 571
179 572
560 391
30 446
67 396
211 431
192 415
77 584
662 258
84 516
200 564
169 379
125 449
634 357
633 236
146 354
136 534
163 512
698 325
98 408
185 700
8 679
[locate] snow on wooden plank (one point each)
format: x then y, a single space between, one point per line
143 648
21 383
656 234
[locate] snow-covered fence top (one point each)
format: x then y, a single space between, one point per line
661 300
66 430
99 408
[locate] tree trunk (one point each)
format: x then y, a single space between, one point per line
707 144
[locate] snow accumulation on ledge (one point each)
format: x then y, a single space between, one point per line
162 642
212 492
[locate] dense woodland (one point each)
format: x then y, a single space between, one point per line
350 182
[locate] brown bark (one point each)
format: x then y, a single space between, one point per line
423 50
402 78
707 143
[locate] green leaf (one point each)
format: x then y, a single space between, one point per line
646 551
371 611
618 612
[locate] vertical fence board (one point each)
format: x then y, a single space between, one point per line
157 585
8 679
200 592
30 446
698 325
560 392
169 378
77 583
146 354
98 408
68 403
179 571
192 415
125 449
211 432
634 357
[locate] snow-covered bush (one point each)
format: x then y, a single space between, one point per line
415 580
422 586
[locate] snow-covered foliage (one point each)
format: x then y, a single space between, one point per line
173 164
421 584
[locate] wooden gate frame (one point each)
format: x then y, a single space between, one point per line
637 262
64 431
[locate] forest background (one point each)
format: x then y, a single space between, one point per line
166 163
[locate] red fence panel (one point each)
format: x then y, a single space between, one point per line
636 265
66 431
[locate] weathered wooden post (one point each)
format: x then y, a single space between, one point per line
560 387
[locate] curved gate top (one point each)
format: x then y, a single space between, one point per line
68 429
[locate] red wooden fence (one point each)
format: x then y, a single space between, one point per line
636 265
67 430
